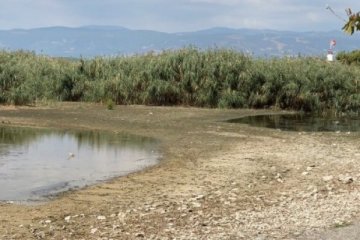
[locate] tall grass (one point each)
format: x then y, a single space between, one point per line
191 77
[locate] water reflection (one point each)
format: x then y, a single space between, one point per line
302 122
35 163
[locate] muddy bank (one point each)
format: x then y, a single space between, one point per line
216 180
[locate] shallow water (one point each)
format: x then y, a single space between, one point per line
37 163
302 123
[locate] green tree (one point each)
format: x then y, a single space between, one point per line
353 24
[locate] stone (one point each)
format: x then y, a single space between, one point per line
40 235
278 178
328 178
199 197
93 230
67 218
309 168
346 179
121 216
101 218
196 204
140 235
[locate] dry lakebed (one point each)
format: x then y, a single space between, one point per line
214 179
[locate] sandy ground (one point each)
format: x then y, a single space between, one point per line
216 180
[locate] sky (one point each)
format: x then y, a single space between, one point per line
177 15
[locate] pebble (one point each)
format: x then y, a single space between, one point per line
328 178
67 218
93 230
305 173
345 179
140 235
278 178
199 197
196 205
101 218
309 168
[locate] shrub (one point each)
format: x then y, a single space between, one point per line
203 78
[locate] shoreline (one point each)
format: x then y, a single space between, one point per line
217 180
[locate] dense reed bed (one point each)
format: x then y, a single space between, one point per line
350 58
190 77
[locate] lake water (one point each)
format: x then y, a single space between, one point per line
303 123
37 163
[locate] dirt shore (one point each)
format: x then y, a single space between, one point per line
216 180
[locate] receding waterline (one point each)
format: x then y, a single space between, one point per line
35 164
302 123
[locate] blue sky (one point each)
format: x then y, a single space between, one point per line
176 15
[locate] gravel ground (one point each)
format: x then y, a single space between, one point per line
216 180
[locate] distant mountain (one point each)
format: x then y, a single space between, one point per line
90 41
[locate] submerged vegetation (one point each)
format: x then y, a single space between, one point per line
191 77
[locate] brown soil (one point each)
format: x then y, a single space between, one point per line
216 180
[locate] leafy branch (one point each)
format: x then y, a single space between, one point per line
353 24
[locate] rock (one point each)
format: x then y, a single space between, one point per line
309 168
101 218
67 218
121 216
328 178
93 230
305 173
278 178
232 199
199 197
346 179
40 235
196 204
48 221
140 235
